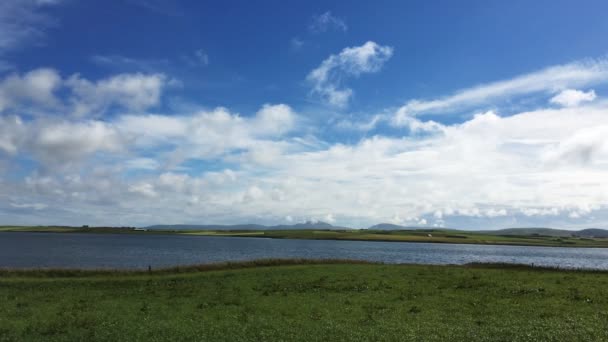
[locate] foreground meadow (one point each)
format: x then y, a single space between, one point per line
280 300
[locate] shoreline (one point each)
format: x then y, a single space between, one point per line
42 273
407 236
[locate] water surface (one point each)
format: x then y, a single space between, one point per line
131 251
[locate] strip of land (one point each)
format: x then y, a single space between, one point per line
303 301
418 235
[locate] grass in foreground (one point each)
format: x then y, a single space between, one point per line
305 302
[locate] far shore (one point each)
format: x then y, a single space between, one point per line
417 235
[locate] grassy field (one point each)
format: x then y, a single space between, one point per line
306 302
436 235
430 235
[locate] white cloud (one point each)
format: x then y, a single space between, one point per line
35 206
198 58
296 43
11 134
223 167
329 218
254 193
363 126
326 21
36 87
488 168
210 134
152 128
350 62
274 120
551 80
62 142
36 93
130 64
144 189
58 142
573 97
142 164
584 146
131 91
23 22
202 57
540 211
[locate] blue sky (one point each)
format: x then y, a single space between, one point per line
477 114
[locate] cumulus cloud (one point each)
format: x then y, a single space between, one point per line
274 120
11 134
220 166
326 80
490 167
326 21
202 135
57 143
209 134
60 142
36 87
144 189
130 91
552 79
36 92
573 97
586 145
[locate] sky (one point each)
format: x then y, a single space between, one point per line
470 114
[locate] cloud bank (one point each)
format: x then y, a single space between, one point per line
106 151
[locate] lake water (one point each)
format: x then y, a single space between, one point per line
41 250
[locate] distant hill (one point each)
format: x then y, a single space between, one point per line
387 226
592 232
588 233
207 227
304 225
531 231
390 226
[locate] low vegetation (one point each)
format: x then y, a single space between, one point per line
300 301
430 235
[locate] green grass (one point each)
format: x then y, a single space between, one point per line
306 302
437 235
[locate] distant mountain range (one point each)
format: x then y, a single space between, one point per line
390 226
535 231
